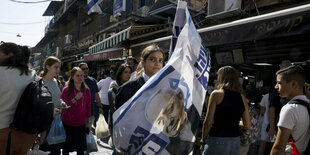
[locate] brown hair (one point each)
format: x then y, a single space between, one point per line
293 72
20 58
228 78
71 82
49 61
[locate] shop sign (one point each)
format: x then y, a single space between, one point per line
85 43
224 58
118 7
287 25
102 56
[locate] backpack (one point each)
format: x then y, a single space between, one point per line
291 139
34 112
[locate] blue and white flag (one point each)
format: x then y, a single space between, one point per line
178 24
163 116
94 6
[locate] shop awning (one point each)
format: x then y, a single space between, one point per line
130 33
288 22
52 8
284 23
111 41
105 54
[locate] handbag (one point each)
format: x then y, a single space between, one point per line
102 128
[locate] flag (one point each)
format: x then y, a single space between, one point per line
163 116
178 24
94 6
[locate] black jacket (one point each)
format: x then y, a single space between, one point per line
127 90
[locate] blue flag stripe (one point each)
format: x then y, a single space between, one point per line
91 4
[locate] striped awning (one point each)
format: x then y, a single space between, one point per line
111 41
130 33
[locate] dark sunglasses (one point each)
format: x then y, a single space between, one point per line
84 69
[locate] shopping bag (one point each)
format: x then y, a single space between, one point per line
91 143
102 128
57 132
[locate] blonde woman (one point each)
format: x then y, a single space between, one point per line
227 105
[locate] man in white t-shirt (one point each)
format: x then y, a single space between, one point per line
103 86
294 118
264 103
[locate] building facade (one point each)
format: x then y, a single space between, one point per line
125 27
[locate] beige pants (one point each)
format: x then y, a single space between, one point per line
21 142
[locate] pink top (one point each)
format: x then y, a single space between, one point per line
76 114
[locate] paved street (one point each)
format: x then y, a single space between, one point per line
103 147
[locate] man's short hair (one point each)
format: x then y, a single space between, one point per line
107 72
294 72
133 59
82 63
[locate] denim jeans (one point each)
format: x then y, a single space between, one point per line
222 146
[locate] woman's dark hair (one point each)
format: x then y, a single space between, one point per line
119 73
71 82
19 59
49 61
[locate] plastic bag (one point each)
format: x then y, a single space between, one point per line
57 134
91 143
102 128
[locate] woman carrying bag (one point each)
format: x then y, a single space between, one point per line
51 66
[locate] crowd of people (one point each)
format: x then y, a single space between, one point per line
229 116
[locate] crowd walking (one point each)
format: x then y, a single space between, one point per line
231 125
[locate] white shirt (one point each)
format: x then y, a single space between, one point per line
265 103
145 77
296 118
12 86
103 86
133 75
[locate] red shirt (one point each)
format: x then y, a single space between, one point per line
77 113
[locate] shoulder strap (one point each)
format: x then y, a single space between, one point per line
8 144
58 82
301 102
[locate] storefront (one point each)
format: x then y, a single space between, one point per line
257 46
